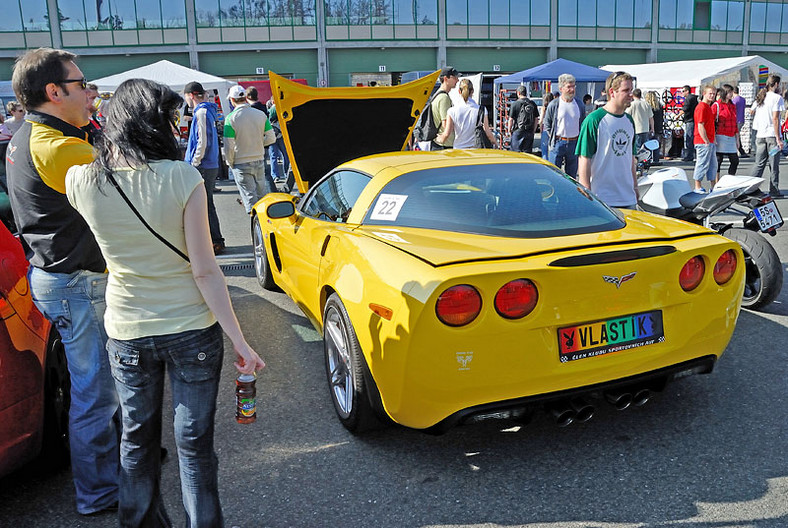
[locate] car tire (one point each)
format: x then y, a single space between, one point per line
57 401
763 270
346 370
262 267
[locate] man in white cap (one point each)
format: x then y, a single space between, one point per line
247 132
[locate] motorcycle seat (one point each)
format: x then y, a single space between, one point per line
691 199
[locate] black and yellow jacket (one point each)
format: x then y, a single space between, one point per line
55 237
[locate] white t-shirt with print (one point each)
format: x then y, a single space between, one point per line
762 122
608 139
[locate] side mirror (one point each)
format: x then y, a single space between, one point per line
651 144
280 209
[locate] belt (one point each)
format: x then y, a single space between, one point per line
566 138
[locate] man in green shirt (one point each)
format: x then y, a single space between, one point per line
247 132
606 147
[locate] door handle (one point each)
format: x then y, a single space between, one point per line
325 246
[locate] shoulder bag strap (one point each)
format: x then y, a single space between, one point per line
480 117
114 183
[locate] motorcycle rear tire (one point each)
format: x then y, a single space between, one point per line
764 272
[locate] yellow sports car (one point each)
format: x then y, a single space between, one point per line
458 285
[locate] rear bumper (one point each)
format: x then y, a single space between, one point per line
654 380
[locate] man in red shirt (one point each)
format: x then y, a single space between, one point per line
705 149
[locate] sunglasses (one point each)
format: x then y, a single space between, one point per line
618 74
82 82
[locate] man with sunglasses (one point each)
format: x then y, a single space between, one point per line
67 272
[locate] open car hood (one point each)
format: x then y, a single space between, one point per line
325 127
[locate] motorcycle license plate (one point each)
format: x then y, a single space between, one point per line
768 216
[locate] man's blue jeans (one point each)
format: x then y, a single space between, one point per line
277 152
640 138
545 141
688 154
254 181
74 303
705 162
193 360
209 177
563 153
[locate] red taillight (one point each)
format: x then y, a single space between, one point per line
516 299
725 267
692 273
458 305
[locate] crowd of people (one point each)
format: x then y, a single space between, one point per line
89 187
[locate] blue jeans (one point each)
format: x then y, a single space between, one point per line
640 138
74 303
563 153
277 152
689 141
193 360
254 181
544 145
705 162
209 177
522 141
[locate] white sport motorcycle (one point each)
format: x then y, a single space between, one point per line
736 209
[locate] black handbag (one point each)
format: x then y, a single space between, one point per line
481 140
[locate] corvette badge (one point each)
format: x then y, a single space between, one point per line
618 281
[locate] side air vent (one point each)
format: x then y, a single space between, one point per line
613 256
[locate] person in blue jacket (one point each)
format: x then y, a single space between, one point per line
202 150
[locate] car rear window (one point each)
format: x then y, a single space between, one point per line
523 200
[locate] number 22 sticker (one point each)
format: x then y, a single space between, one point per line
388 207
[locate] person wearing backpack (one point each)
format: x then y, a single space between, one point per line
562 121
522 122
441 103
432 122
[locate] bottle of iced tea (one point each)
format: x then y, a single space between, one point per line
245 399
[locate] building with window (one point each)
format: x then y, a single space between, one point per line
337 42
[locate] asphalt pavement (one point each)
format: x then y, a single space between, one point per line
708 452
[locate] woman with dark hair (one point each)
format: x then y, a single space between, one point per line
165 295
767 107
727 131
545 137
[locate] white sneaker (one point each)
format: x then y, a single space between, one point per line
700 191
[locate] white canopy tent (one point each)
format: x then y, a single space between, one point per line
696 73
170 74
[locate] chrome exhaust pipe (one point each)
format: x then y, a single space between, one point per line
584 411
641 397
619 400
562 412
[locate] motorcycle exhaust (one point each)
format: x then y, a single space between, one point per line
584 411
641 397
562 412
619 400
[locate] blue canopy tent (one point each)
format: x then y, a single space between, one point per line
551 70
542 74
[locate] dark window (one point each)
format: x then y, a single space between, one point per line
334 197
702 14
524 200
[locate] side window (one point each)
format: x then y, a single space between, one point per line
334 197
